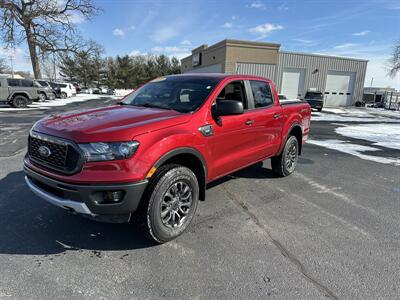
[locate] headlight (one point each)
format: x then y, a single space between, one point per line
108 151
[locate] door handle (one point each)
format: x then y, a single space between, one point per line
249 122
276 116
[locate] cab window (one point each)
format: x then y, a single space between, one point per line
234 91
261 93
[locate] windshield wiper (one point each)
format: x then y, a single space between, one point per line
150 105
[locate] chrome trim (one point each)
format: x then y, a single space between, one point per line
62 142
63 203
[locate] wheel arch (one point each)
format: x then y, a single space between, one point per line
297 132
190 158
25 94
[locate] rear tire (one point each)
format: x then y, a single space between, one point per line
169 204
19 101
319 109
285 164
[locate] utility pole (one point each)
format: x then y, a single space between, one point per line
12 66
372 80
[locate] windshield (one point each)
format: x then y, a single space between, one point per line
180 93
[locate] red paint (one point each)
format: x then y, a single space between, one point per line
233 146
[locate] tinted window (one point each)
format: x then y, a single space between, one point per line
261 93
27 83
62 85
42 83
233 91
13 82
315 95
181 93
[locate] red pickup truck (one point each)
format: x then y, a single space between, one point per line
149 157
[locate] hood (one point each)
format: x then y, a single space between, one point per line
109 124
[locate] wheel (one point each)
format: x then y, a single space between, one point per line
63 95
19 101
42 97
285 164
169 204
320 109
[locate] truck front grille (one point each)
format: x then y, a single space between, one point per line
54 153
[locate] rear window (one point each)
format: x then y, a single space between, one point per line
261 93
13 82
313 95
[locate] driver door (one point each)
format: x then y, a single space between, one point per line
233 143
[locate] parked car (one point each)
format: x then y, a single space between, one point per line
18 92
56 89
67 89
96 91
86 90
154 153
77 87
315 99
47 92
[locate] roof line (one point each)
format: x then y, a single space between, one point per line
323 55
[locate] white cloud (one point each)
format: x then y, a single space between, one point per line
118 32
227 25
256 5
345 46
136 52
178 52
164 34
361 33
186 43
283 6
264 30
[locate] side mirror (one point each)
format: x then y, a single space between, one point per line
228 107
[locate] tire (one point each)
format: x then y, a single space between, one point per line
319 109
19 101
169 181
42 97
64 95
280 164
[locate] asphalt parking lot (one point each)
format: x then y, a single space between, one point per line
331 230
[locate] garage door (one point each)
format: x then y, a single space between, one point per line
292 82
339 88
209 69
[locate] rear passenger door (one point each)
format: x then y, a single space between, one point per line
266 116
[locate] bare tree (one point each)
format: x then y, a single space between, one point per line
47 26
4 66
394 61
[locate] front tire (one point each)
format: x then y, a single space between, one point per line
169 204
285 164
63 95
42 97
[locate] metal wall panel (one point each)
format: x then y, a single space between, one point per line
263 70
317 67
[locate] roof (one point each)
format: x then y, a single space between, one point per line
322 55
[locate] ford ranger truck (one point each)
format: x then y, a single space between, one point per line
150 157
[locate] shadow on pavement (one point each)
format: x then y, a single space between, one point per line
31 226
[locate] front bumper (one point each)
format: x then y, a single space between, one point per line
84 199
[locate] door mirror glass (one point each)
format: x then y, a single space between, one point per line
228 107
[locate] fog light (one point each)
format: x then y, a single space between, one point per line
112 197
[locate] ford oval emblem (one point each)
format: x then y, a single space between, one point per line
44 151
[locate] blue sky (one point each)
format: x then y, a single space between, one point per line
354 28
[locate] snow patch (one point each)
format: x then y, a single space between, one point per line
356 150
385 135
58 102
354 114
